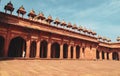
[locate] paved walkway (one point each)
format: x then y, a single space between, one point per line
59 68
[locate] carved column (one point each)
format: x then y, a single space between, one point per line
69 52
110 55
74 52
105 55
38 49
49 50
7 43
27 48
81 53
119 55
61 51
100 55
6 47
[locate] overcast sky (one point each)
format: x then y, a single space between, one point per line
102 16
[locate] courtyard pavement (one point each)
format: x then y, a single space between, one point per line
59 68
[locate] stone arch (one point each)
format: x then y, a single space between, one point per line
2 42
97 54
65 50
17 35
115 56
55 50
77 51
71 51
17 47
33 49
43 49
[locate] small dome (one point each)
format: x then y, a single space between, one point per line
41 16
80 28
21 10
9 6
108 40
94 33
85 29
69 25
99 37
104 38
49 19
118 38
89 31
32 13
63 23
56 21
74 26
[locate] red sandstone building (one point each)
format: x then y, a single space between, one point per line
41 37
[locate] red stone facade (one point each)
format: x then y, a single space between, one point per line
37 37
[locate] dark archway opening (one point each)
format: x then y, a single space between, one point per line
33 49
17 47
103 55
115 56
107 56
77 52
71 51
2 41
55 50
43 49
97 55
65 51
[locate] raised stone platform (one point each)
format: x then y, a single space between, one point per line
59 68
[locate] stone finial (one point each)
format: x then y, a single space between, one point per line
57 21
63 23
32 14
21 10
49 19
74 26
9 7
41 16
69 25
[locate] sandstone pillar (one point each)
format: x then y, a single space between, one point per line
61 51
81 53
38 49
69 51
28 49
7 43
74 52
105 55
100 55
119 55
6 47
110 55
49 50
